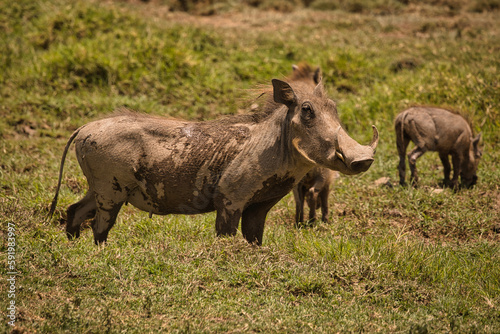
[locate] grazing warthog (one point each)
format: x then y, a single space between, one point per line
313 188
443 131
240 166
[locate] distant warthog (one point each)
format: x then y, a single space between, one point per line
313 188
443 131
240 166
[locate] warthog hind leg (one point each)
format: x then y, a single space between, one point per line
416 153
402 145
79 212
107 210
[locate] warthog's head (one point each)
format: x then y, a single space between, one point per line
469 168
316 132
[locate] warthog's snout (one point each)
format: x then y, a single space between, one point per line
359 166
468 182
362 164
350 157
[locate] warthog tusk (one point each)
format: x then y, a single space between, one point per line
374 141
295 143
339 155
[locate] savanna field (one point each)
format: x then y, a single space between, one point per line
390 259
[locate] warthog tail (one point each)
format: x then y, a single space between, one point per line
54 200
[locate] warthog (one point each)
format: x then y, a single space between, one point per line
443 131
314 188
239 166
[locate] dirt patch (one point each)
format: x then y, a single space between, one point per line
417 19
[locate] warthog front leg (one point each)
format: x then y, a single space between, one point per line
323 197
107 210
79 212
298 195
457 163
312 201
253 219
447 168
416 153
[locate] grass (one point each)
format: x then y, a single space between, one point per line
390 260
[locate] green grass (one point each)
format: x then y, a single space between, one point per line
390 260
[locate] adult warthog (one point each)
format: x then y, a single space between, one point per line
443 131
314 187
240 166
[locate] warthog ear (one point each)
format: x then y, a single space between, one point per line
475 145
283 93
317 76
319 90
